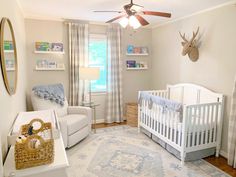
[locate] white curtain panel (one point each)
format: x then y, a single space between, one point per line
232 131
78 57
114 78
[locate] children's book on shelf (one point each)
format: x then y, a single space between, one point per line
136 50
131 63
8 45
42 46
46 46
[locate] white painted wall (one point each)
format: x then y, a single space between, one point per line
216 67
11 105
56 31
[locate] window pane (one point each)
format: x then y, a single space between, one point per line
98 58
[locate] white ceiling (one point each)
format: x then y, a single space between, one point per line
83 9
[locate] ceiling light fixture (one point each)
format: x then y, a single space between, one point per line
132 21
124 22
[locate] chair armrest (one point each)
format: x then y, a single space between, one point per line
80 110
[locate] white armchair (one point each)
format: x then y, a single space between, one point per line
75 121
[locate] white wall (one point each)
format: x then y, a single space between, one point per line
11 105
216 67
56 31
45 31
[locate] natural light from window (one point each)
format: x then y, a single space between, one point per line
98 58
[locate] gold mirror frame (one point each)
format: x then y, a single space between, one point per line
4 22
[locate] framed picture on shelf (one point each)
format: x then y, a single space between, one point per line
144 50
130 49
57 47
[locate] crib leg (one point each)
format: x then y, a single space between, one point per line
182 158
217 151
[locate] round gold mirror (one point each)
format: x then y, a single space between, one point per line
8 55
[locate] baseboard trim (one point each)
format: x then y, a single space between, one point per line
224 154
99 121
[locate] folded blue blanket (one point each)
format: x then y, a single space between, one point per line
165 103
53 92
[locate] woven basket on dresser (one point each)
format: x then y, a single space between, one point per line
132 114
25 156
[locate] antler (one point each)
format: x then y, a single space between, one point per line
194 35
183 37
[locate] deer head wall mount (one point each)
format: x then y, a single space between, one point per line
190 47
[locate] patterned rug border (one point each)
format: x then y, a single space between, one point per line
105 130
125 127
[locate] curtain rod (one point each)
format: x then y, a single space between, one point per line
67 21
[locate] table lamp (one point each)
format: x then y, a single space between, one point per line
89 73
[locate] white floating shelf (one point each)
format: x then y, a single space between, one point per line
137 54
49 69
10 69
143 68
49 52
8 51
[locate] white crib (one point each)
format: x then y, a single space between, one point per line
199 126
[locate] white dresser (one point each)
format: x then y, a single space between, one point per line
55 169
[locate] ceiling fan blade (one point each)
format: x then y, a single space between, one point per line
115 11
161 14
116 18
141 20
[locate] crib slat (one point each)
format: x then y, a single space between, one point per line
168 124
215 120
203 124
205 115
175 127
208 124
199 125
194 117
211 122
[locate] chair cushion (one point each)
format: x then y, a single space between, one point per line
75 122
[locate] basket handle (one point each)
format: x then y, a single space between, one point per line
28 140
35 131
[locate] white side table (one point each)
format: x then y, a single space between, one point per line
55 169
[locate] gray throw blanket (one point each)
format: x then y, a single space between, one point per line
165 103
54 93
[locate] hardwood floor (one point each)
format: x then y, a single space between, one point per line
220 162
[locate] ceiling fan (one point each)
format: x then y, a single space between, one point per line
132 15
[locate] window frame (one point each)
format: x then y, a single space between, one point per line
96 36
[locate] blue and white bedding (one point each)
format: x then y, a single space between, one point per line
165 103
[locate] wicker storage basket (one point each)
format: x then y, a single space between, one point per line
26 156
132 114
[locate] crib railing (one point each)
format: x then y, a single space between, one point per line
199 127
163 125
202 126
160 93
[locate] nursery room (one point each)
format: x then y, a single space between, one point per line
128 88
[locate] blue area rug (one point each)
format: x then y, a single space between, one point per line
123 152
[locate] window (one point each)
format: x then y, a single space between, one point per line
98 58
